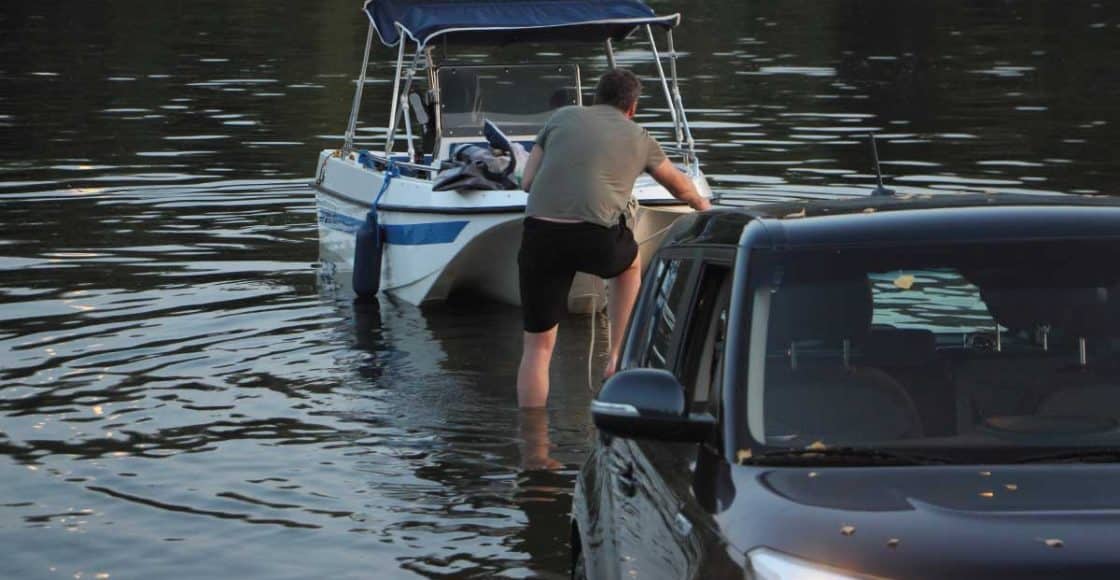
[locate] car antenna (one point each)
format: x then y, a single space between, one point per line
879 189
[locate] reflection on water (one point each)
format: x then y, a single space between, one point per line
178 399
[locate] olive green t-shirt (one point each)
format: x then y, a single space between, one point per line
592 156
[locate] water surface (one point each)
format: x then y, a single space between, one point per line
179 399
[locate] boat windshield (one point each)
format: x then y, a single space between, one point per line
996 352
518 98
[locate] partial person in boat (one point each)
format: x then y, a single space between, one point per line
579 218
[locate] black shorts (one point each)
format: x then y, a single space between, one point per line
551 254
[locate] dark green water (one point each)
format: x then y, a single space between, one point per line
177 399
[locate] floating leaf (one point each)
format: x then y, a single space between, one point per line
1011 487
97 410
795 215
868 210
813 474
905 281
893 542
743 455
1054 542
985 474
848 530
988 494
817 446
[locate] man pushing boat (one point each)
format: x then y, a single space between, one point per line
579 218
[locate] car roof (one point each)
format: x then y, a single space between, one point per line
907 219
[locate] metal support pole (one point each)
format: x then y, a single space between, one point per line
610 55
396 94
691 158
408 128
437 109
352 124
396 118
665 85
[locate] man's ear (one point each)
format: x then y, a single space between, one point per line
632 110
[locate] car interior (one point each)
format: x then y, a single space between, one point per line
859 359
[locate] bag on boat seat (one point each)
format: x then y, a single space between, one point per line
475 167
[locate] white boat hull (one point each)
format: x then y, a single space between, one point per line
440 242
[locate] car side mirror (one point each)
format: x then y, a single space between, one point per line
648 404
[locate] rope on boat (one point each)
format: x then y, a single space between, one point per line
391 171
594 296
654 235
595 313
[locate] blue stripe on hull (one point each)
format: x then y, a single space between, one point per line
422 234
400 234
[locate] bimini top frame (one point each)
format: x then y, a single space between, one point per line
509 21
396 22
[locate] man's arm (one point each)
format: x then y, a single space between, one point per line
678 184
531 167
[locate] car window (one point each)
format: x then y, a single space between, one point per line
939 300
703 348
519 98
668 306
967 348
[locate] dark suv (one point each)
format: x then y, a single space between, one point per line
922 387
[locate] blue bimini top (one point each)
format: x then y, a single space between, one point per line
510 21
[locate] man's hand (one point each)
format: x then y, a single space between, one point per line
679 185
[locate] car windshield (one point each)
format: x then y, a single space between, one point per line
519 98
1009 349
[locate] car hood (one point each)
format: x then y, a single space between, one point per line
932 521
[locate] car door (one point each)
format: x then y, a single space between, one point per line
644 542
663 530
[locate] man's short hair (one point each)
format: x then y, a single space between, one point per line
619 88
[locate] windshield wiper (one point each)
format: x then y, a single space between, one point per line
1101 455
858 455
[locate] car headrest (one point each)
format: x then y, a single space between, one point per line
899 347
1084 312
829 311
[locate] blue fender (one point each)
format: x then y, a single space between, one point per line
367 258
368 246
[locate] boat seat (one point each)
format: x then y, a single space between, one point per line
813 392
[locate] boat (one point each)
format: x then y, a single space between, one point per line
431 243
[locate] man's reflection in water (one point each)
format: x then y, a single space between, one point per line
543 493
534 441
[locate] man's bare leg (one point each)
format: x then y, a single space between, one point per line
620 302
532 375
